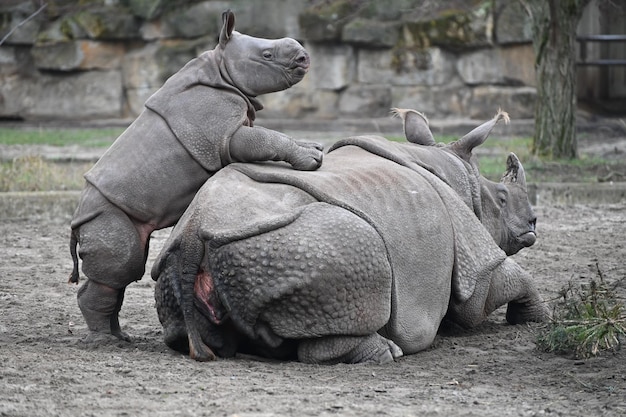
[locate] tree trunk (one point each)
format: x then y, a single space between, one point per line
554 40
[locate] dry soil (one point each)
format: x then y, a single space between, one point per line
492 370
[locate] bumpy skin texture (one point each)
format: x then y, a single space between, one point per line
201 120
391 230
292 275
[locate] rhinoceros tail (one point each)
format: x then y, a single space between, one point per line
74 276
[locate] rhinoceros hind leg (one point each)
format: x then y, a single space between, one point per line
348 349
113 255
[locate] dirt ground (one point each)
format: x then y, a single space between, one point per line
493 370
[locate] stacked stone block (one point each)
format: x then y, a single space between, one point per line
102 59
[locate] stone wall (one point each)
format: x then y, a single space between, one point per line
103 59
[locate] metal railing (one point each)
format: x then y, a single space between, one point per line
583 40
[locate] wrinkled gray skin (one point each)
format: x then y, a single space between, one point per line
359 261
198 122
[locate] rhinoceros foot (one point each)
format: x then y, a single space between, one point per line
100 305
307 158
519 313
312 145
373 348
94 338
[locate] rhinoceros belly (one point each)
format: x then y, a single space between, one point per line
148 173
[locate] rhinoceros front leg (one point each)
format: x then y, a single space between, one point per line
253 144
508 283
527 305
348 349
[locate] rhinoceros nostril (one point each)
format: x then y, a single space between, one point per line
302 60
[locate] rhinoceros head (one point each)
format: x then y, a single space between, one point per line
259 66
510 210
504 206
506 211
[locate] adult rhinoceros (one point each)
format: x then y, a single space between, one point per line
358 261
198 122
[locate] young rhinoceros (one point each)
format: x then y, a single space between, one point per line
358 261
199 121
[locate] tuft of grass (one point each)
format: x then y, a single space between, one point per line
96 137
588 320
33 173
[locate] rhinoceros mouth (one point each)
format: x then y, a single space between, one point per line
300 64
300 70
296 74
527 239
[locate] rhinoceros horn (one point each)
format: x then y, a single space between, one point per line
464 146
228 21
514 171
416 128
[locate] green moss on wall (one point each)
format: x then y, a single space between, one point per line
324 20
452 30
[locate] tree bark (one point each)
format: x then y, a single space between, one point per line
554 25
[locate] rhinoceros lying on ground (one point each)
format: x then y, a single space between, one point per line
358 261
198 122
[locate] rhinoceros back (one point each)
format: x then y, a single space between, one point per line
443 164
148 173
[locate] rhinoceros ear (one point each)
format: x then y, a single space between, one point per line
464 146
228 21
416 128
514 171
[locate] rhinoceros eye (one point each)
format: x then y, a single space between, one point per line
502 198
267 54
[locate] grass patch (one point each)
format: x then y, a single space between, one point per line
492 162
26 174
96 137
586 321
493 153
584 169
33 173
